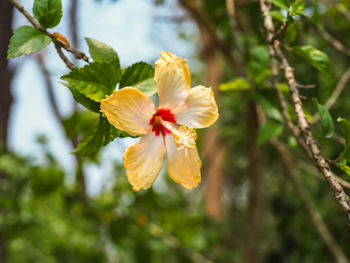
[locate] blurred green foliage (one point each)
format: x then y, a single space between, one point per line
43 217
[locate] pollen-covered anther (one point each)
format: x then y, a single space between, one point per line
184 138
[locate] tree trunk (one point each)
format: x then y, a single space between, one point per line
251 253
6 74
213 151
6 13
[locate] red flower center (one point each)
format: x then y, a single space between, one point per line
161 114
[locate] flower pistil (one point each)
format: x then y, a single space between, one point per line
161 115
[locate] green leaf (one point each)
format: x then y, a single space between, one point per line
136 73
280 3
99 51
79 123
91 143
277 15
346 136
259 64
270 110
97 137
326 120
290 34
283 87
95 80
82 99
46 179
297 7
147 86
48 12
315 57
110 133
342 164
26 40
269 130
237 85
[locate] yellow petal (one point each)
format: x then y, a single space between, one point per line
183 165
129 110
144 160
173 80
199 109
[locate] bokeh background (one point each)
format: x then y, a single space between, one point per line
252 205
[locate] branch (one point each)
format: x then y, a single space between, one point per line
311 210
280 31
58 44
335 95
310 86
320 162
344 11
289 124
334 42
311 170
78 54
69 64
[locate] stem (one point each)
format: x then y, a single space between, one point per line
280 31
78 54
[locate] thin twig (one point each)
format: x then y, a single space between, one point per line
340 87
334 42
311 210
339 6
338 138
320 162
28 16
312 170
310 86
335 95
78 54
280 31
344 11
69 64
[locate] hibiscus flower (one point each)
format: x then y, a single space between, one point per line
167 129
